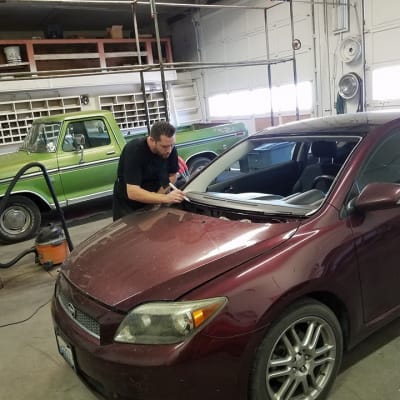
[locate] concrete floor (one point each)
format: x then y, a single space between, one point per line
31 368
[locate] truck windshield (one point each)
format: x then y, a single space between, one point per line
42 138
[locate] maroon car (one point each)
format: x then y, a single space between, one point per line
285 255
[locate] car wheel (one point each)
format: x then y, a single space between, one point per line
20 220
300 355
197 164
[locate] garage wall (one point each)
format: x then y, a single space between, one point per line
237 35
381 43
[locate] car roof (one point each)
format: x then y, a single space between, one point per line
343 124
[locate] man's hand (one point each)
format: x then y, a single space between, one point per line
160 197
175 196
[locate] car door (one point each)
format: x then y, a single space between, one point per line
89 173
377 234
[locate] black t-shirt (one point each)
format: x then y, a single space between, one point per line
139 166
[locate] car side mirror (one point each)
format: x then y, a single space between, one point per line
378 196
78 142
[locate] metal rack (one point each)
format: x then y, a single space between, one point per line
162 65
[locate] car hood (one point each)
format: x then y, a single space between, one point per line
161 255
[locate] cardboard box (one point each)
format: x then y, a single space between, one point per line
115 32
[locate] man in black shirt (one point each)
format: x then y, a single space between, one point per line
145 168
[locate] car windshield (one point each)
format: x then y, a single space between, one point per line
281 176
42 138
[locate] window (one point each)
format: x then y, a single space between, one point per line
93 131
257 101
383 165
386 84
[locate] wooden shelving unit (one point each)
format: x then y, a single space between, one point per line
16 117
129 109
69 54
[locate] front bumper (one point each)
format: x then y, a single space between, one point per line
200 368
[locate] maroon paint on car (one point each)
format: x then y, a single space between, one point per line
280 271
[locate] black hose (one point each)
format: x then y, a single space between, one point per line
4 200
16 259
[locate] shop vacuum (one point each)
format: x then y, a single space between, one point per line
51 248
53 243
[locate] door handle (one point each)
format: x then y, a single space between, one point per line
109 153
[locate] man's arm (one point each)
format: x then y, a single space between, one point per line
172 178
141 195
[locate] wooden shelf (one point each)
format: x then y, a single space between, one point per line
13 66
69 54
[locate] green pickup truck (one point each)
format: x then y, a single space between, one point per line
80 152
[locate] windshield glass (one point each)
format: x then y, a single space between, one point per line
286 176
42 138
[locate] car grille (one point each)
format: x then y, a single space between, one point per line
85 321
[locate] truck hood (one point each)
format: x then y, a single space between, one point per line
11 163
163 254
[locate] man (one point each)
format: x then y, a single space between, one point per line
145 168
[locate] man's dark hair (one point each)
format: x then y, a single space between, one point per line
162 128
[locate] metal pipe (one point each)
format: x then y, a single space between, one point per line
132 69
175 5
62 73
150 3
142 85
327 53
316 80
269 71
160 58
294 60
364 58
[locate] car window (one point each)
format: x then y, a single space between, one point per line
261 157
94 132
271 176
383 165
97 133
42 138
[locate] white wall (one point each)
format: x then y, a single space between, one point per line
239 35
382 40
233 35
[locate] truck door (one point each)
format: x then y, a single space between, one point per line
88 173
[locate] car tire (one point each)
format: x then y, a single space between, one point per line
20 220
197 164
300 355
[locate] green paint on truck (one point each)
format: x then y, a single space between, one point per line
80 152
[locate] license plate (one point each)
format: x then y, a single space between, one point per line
65 350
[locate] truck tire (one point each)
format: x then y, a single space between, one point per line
197 164
20 220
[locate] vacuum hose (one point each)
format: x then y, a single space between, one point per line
16 259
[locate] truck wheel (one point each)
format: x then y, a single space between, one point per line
197 164
20 220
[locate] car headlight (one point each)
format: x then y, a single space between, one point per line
167 322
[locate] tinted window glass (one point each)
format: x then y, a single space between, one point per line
383 165
94 132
